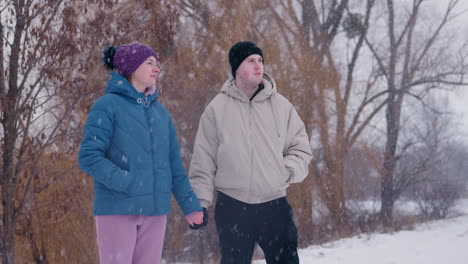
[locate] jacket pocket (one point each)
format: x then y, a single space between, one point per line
278 173
279 169
233 169
142 181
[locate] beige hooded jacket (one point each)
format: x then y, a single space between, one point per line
249 150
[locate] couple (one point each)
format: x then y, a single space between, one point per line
250 145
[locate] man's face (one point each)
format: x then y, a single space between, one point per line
251 70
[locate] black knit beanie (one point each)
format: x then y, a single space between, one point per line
239 52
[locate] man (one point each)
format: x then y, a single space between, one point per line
250 145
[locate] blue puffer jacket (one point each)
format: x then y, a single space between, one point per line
130 148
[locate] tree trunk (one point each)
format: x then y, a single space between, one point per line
393 129
36 241
333 197
8 222
8 184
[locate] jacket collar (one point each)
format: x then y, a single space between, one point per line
118 84
229 88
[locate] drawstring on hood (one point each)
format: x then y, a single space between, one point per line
275 117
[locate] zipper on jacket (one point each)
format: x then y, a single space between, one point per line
251 151
150 132
146 104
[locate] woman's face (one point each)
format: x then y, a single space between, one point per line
146 74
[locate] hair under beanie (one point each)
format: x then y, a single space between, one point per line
239 52
127 58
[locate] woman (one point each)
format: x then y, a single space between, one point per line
130 148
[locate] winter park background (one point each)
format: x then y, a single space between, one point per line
381 87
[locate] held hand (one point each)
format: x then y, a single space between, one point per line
195 218
196 226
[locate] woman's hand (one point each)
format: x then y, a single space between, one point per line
195 218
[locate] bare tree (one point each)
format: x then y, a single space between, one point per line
26 101
429 170
336 106
443 186
412 65
49 77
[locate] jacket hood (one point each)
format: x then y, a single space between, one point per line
118 84
229 88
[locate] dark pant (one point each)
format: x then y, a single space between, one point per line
241 225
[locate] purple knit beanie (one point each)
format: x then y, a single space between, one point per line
129 57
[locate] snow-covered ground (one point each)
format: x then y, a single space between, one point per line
435 242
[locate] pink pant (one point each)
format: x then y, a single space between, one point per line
130 239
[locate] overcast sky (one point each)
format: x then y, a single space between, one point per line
459 98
